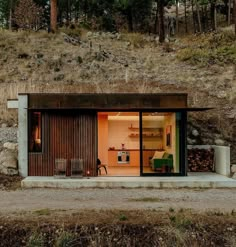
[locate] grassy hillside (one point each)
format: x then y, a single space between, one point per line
203 66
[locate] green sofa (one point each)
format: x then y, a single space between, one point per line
166 161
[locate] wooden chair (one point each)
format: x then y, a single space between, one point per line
99 166
77 168
60 168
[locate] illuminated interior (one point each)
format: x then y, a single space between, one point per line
119 143
35 132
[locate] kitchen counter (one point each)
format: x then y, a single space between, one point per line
134 157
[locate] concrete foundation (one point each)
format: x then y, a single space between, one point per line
194 180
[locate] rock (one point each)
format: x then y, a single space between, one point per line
118 37
195 133
234 176
219 142
8 162
89 34
233 168
4 125
9 171
221 94
59 77
39 55
191 141
10 145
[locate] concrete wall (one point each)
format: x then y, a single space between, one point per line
221 157
222 160
22 135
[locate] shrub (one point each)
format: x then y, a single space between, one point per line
123 217
212 48
65 239
35 240
135 39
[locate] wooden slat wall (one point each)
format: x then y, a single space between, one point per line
68 136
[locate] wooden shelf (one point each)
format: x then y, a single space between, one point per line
146 135
150 132
145 128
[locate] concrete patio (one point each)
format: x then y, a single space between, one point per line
193 180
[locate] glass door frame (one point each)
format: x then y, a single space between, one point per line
182 143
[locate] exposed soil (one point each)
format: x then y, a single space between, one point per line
9 182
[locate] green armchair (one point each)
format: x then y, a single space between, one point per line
165 161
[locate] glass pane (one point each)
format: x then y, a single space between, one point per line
35 132
160 133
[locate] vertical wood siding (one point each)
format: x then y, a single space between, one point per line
68 136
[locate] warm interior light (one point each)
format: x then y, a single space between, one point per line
38 141
136 118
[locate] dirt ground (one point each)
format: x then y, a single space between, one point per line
126 199
15 199
116 217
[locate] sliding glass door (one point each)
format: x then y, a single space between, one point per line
160 143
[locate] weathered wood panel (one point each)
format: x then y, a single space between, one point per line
124 101
71 135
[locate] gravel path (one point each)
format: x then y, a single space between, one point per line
126 199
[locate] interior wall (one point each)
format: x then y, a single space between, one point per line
119 133
153 142
171 121
103 138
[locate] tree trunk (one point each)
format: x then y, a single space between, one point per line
53 15
185 16
235 16
229 12
156 21
193 14
130 19
177 16
213 15
10 17
161 21
199 17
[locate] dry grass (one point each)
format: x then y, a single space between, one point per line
44 211
135 39
145 199
122 228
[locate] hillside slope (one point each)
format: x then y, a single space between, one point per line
105 62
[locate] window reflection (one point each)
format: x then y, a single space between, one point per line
35 138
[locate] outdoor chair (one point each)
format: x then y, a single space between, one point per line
77 168
60 168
